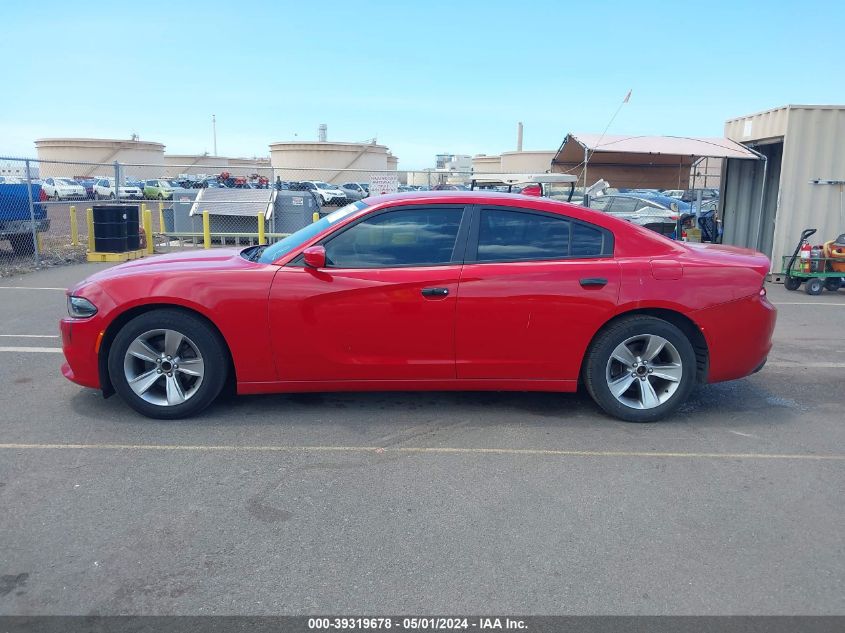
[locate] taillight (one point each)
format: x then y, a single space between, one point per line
42 196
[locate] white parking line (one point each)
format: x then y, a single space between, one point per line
436 450
29 336
807 303
28 288
33 350
797 364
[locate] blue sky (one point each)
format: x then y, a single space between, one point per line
421 77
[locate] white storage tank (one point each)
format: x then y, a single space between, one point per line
327 161
527 161
194 164
486 164
147 154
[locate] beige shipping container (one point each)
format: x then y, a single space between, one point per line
804 146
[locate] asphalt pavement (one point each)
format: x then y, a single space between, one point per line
422 503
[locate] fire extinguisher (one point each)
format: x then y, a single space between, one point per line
806 251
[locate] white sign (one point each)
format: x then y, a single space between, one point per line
382 184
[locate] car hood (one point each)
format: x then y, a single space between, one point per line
199 261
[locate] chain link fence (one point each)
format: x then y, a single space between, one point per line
49 209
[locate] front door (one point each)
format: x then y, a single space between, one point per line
533 290
384 306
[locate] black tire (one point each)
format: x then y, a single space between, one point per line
599 355
814 286
792 283
833 283
22 244
208 341
111 196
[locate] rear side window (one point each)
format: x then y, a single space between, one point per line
509 235
410 237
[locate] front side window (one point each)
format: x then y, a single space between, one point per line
409 237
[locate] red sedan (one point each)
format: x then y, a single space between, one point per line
428 291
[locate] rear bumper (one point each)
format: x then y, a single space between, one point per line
739 336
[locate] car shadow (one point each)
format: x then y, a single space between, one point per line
723 404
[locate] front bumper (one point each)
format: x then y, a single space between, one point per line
81 338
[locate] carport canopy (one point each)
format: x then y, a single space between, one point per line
661 162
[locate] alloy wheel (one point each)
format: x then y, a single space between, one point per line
644 371
163 367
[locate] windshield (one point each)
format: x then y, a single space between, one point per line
324 185
67 181
292 241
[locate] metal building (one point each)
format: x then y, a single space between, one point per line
766 204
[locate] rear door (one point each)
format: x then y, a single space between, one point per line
383 308
535 288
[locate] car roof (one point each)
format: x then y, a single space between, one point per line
487 197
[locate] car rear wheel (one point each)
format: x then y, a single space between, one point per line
167 364
640 369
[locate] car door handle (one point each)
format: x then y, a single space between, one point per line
593 282
434 292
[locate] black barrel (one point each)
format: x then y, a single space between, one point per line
109 228
133 236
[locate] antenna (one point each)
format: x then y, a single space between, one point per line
214 132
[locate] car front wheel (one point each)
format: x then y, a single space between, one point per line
640 369
167 364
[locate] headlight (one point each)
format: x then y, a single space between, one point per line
80 308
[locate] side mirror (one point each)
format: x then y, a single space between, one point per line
315 257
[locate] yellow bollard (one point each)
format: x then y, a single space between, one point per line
89 219
161 218
206 230
262 239
74 228
40 242
148 229
315 217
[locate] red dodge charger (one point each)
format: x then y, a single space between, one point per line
428 291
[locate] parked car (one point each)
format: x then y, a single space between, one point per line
158 189
691 195
362 188
353 191
104 190
207 183
63 189
328 194
579 297
654 211
88 185
15 219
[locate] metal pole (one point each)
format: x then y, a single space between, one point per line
32 216
116 181
586 200
760 210
214 132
